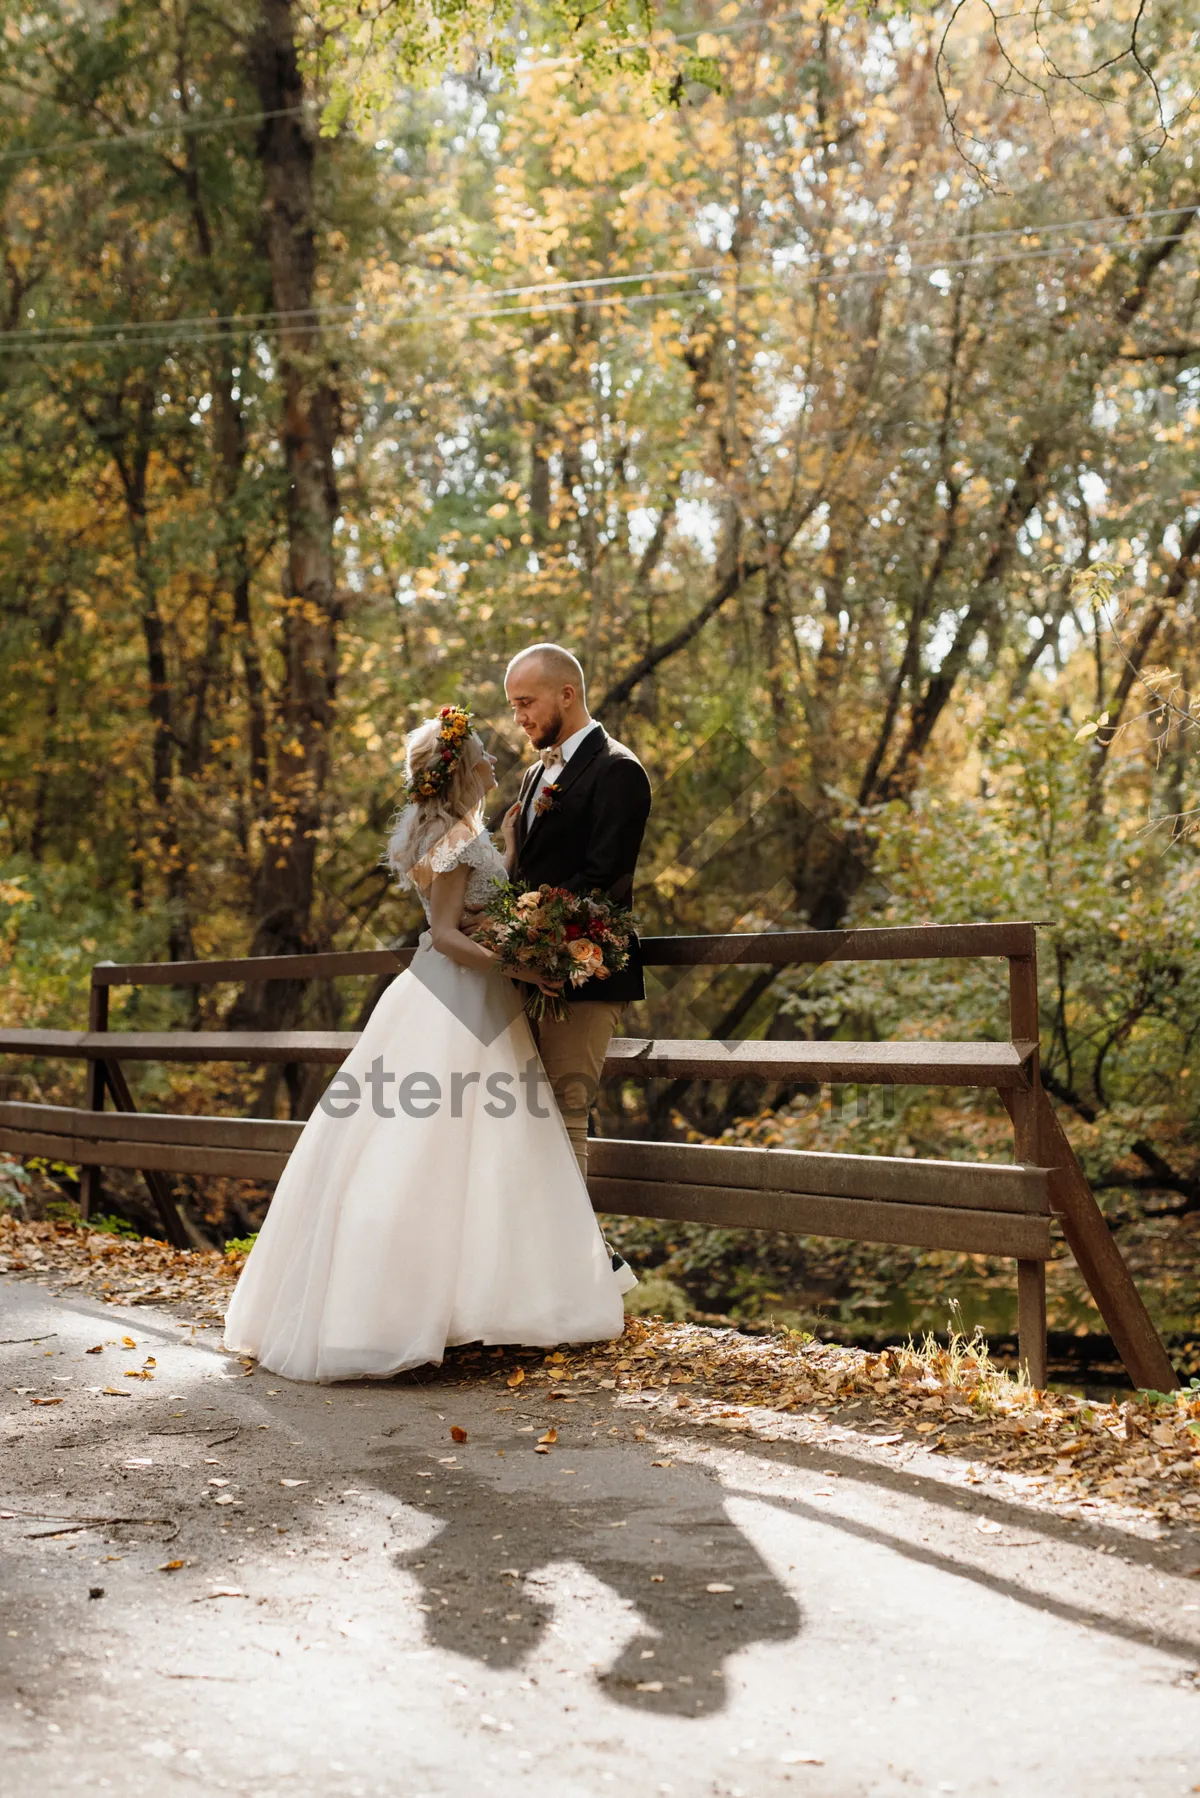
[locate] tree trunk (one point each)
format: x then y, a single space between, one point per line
1134 660
283 885
132 466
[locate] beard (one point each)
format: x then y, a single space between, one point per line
549 733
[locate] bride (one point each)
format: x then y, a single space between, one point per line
433 1196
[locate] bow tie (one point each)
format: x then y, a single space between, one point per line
550 757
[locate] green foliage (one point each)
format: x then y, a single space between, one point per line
237 1246
656 1296
14 1184
108 1225
61 1211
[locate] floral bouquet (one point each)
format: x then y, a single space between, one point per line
558 935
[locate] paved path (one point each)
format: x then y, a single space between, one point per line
426 1619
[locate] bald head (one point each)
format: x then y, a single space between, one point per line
547 692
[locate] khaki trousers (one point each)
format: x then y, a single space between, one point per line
573 1056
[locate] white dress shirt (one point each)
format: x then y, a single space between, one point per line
550 775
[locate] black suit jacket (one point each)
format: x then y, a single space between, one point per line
589 840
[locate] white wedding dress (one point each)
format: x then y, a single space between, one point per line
460 1220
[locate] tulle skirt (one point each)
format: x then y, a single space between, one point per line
459 1217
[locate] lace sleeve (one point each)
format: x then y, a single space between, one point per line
476 851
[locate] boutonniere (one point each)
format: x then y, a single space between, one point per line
545 799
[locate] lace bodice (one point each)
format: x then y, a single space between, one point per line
482 858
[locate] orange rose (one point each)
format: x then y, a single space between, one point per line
586 954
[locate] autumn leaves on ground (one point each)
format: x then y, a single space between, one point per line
1137 1460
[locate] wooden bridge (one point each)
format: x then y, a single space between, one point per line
979 1208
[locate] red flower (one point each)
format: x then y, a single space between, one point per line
573 930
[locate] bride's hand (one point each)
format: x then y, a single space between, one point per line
508 824
552 988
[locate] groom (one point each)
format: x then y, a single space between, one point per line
579 822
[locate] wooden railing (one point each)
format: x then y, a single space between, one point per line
980 1208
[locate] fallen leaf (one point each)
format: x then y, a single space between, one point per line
717 1586
226 1498
986 1527
457 1434
218 1482
293 1482
45 1401
220 1592
802 1760
550 1436
170 1566
117 1392
137 1373
98 1350
138 1461
662 1463
649 1685
517 1378
656 1579
149 1361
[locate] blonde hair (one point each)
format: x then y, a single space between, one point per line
424 822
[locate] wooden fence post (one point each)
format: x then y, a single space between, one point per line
1024 1110
1041 1139
90 1177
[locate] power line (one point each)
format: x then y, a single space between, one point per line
1104 218
200 335
139 328
147 328
181 128
201 328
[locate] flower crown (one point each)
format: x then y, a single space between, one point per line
455 722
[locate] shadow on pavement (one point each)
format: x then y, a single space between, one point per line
659 1554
